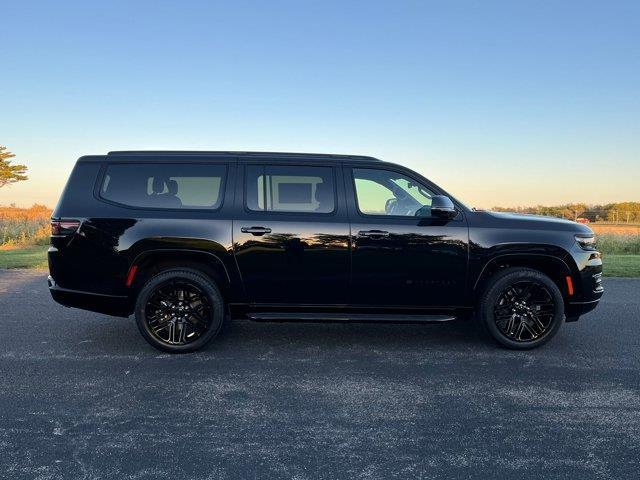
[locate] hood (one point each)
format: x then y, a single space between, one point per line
536 222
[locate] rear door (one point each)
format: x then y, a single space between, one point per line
291 235
399 258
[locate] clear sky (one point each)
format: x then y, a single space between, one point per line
502 103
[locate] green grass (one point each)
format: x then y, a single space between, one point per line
621 265
36 257
26 257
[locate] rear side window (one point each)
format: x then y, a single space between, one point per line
290 189
164 185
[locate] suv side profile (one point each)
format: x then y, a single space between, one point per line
186 240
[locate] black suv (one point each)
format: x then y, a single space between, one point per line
186 240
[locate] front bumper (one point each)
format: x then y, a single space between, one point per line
590 290
117 305
575 309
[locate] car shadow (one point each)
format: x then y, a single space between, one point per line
61 331
245 338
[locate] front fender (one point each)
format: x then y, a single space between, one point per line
553 260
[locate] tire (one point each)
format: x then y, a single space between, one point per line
518 318
177 322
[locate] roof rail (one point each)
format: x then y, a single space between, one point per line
240 154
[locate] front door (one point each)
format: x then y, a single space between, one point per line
401 255
291 238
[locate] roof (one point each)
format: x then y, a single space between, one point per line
240 155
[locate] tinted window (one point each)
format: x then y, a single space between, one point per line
164 185
384 192
290 189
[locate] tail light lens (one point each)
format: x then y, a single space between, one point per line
60 228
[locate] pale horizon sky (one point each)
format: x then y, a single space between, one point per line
501 103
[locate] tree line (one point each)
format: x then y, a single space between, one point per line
622 212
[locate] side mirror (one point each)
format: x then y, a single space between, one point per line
443 207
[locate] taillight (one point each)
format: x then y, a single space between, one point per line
64 227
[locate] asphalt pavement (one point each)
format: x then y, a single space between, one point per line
84 397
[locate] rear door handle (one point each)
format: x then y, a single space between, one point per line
255 230
373 233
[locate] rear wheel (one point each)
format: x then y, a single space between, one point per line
179 311
521 308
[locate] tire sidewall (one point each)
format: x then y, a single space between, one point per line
495 288
203 282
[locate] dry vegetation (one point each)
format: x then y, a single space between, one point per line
21 227
24 232
615 229
617 239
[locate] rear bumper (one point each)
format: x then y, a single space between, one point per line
116 305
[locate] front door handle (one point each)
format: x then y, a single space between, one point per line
255 230
373 233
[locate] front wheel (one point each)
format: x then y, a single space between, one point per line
179 311
521 308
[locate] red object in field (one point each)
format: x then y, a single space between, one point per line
583 220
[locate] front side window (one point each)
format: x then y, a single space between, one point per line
290 189
164 185
385 192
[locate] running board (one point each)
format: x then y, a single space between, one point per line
348 317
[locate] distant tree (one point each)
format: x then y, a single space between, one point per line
623 212
574 210
10 173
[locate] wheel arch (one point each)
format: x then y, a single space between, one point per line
150 263
555 267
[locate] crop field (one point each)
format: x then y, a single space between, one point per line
22 227
24 235
615 228
612 244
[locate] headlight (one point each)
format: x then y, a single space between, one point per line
586 241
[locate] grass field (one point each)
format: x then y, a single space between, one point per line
36 257
621 265
623 244
25 257
24 235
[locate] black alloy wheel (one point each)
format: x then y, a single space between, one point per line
521 308
179 311
524 311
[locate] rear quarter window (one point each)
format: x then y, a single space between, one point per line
164 185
